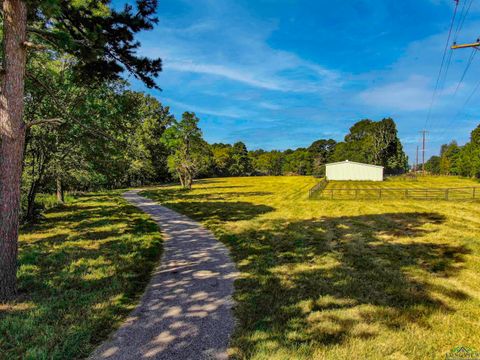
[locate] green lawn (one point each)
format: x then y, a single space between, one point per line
81 271
424 188
343 279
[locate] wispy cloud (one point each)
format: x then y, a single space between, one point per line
272 82
228 112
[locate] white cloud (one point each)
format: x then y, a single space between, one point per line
411 94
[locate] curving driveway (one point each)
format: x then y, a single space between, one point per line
186 310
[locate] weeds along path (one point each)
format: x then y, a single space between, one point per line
186 311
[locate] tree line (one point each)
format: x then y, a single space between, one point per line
69 121
367 141
107 136
458 160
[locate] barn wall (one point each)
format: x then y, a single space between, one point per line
352 171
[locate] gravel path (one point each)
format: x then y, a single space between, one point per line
185 312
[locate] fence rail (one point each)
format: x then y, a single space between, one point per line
317 189
459 193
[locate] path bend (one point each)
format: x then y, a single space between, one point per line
186 310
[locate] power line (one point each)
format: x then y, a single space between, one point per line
463 16
442 64
469 62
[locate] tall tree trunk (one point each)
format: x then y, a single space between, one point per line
180 176
60 195
12 131
32 194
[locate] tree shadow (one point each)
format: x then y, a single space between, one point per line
78 277
221 210
326 280
167 195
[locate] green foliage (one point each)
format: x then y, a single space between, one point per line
240 161
373 143
433 165
458 160
322 152
269 163
106 136
190 154
298 162
100 38
221 159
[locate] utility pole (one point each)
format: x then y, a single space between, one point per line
424 133
416 162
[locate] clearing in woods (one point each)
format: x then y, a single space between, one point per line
342 279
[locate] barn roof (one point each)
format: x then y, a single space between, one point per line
353 162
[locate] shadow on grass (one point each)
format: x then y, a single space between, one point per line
221 210
210 209
326 280
166 195
78 277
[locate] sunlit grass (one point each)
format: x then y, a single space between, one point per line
394 279
81 271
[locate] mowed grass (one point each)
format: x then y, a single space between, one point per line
342 279
424 188
81 271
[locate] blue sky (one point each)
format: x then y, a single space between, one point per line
280 74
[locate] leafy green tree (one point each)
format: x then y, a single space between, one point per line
148 156
269 163
433 165
322 152
468 159
102 43
190 153
298 162
374 143
222 159
240 161
449 155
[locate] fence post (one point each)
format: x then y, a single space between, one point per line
446 194
406 193
331 194
380 193
356 194
473 193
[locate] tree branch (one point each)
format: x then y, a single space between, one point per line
32 45
55 121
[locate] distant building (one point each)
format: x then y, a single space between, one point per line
349 170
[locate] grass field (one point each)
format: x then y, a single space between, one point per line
343 279
424 188
81 271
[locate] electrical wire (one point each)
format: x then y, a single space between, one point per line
469 63
440 72
463 16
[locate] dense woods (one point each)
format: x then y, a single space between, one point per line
458 160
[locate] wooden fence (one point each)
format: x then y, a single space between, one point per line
460 193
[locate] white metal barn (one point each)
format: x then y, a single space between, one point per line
350 170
